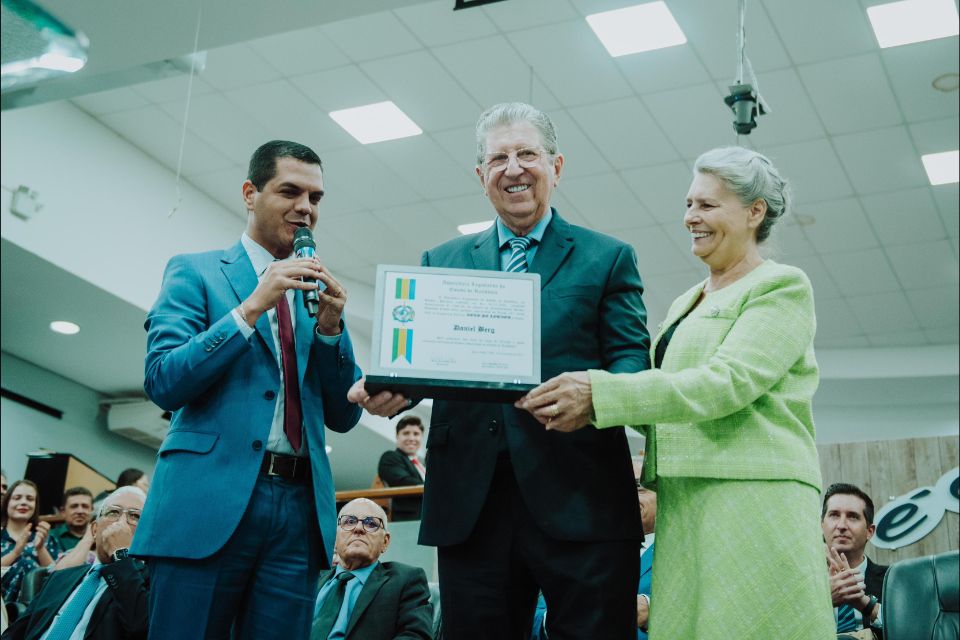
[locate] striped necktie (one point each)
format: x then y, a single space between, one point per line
846 619
518 259
66 622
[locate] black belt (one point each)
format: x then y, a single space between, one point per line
284 466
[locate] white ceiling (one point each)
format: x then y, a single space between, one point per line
848 125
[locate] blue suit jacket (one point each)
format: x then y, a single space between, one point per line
646 564
222 389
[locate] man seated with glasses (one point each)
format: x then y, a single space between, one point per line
106 601
363 598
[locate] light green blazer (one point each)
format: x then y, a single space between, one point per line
732 399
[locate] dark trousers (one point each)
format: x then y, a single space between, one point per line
489 584
260 586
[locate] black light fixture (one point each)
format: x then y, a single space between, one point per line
469 4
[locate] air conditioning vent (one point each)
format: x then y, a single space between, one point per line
142 422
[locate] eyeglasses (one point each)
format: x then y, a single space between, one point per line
526 158
371 524
114 513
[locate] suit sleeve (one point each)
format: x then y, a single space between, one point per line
127 583
772 332
414 614
337 369
186 354
395 473
624 339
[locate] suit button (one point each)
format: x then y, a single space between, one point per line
269 395
257 445
493 426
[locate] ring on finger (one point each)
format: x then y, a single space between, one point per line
556 410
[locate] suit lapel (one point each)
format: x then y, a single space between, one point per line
556 245
240 274
63 591
676 312
412 468
486 251
378 578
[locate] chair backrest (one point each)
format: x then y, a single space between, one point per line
385 503
32 582
921 598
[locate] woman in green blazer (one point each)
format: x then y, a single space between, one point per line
728 425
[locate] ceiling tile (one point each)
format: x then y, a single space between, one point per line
861 272
111 101
680 236
299 52
849 342
945 335
695 119
670 286
423 89
912 69
947 197
925 265
581 156
374 35
790 240
339 88
334 252
286 114
224 186
521 14
236 66
710 28
903 217
655 252
487 83
851 94
880 160
899 339
425 167
792 117
363 234
581 71
338 193
624 133
173 89
159 135
434 23
461 145
883 313
418 226
367 180
835 320
812 169
466 209
823 286
817 30
936 307
839 225
215 120
606 202
568 211
936 135
662 189
662 69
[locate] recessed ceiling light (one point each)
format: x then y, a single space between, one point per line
946 82
643 27
376 122
64 327
910 21
474 227
942 168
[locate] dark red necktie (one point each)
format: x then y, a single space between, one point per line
292 413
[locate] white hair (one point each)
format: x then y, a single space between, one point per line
137 491
509 112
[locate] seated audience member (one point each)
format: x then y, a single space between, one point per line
855 581
107 601
402 468
362 598
77 508
25 543
648 514
3 484
134 478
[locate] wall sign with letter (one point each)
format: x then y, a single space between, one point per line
913 515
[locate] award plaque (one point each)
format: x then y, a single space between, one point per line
455 334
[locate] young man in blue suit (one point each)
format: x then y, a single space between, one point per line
241 517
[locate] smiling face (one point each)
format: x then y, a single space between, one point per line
289 200
845 525
22 504
77 510
409 439
521 195
357 547
722 229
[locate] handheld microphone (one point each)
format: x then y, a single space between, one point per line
305 247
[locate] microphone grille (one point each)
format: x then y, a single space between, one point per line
302 238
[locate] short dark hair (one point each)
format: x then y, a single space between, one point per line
263 162
129 477
844 488
406 421
76 491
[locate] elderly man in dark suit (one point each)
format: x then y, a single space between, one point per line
363 598
106 601
510 505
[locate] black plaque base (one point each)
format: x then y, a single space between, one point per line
438 389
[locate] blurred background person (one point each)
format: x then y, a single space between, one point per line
3 483
731 446
77 510
134 478
25 543
402 468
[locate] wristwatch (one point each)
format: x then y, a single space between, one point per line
867 609
123 552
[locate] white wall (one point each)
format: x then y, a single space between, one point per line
82 431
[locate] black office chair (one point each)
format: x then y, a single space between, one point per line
921 598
